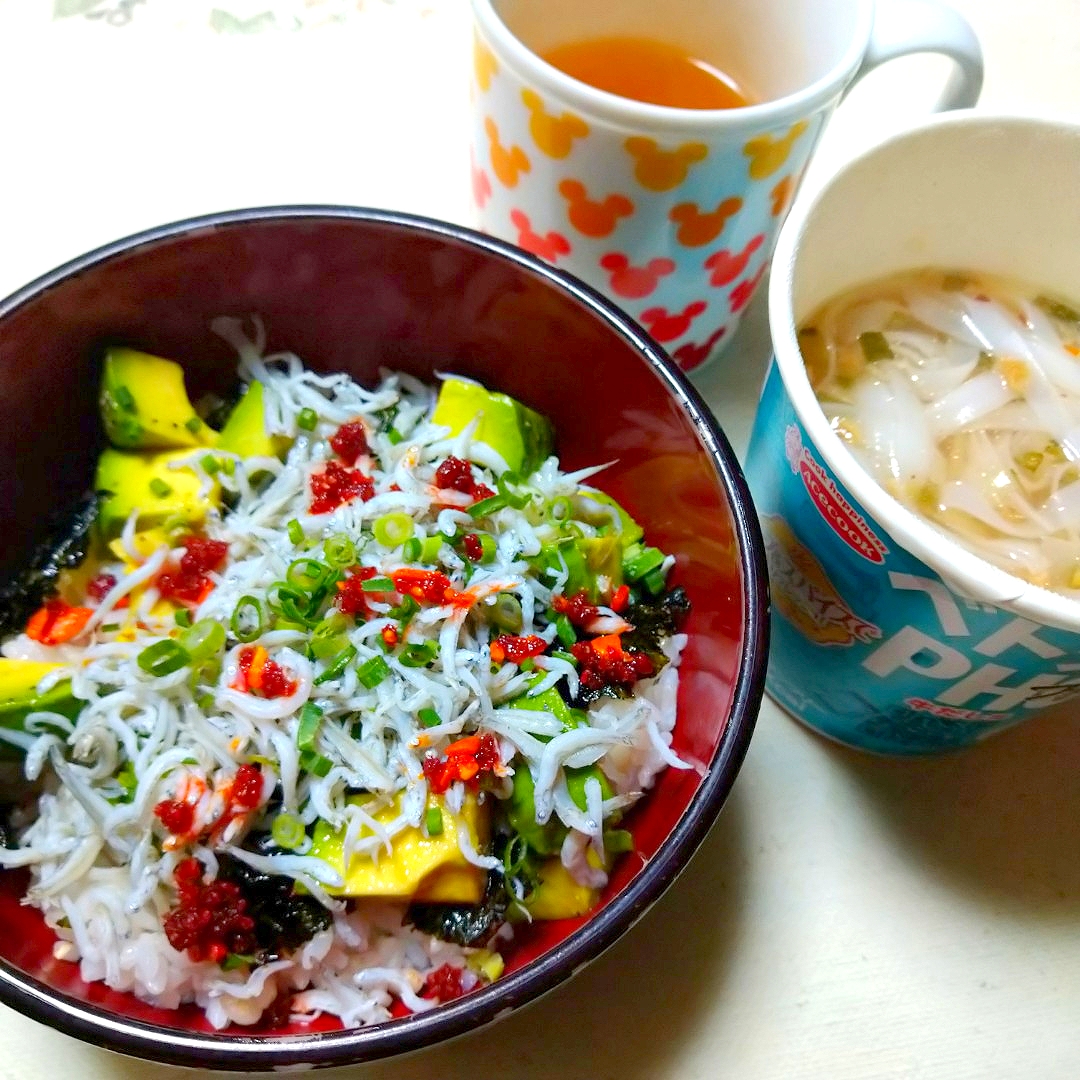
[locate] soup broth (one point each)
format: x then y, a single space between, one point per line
959 393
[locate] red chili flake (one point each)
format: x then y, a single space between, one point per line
210 921
336 485
178 817
472 546
390 636
260 675
190 583
56 622
603 662
350 441
444 984
399 1009
429 585
514 648
248 786
464 760
456 474
351 598
576 608
481 492
621 598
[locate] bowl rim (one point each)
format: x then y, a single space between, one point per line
240 1052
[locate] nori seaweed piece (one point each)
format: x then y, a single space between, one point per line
284 919
465 924
65 547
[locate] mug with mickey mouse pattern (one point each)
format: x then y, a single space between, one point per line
673 212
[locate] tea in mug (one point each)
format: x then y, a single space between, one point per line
653 72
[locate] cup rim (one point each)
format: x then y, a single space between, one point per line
961 569
665 119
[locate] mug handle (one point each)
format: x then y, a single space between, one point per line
903 27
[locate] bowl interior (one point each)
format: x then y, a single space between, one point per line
358 292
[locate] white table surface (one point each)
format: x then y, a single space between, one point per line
848 917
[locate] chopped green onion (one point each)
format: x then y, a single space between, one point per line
109 628
404 611
235 961
875 345
296 532
296 606
570 658
433 821
516 854
377 584
163 658
655 581
1057 310
306 419
310 720
203 640
639 561
411 549
373 671
210 465
329 636
182 617
528 664
288 831
193 424
307 574
430 548
315 763
560 509
392 530
488 547
339 551
505 613
419 655
246 622
229 465
429 718
509 486
159 488
394 436
564 628
487 506
337 665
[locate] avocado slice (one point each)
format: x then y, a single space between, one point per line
144 404
426 868
547 839
557 895
631 531
144 482
19 696
244 433
522 437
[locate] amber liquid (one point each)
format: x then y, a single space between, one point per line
651 71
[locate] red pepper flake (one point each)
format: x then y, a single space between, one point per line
336 485
577 608
390 636
248 786
210 921
260 675
444 984
351 598
456 474
190 583
178 817
603 662
472 546
100 587
350 441
514 648
56 622
429 585
464 760
620 599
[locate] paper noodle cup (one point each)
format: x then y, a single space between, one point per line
886 634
